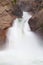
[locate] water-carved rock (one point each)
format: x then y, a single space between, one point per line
36 23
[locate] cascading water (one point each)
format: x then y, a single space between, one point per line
18 30
22 45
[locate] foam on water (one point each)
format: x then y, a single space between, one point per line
22 45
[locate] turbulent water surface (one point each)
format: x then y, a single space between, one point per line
23 46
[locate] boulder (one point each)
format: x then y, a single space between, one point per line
36 23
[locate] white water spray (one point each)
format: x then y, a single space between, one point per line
23 45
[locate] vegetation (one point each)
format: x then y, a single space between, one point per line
14 1
41 25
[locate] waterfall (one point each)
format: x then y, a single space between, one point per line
23 46
19 29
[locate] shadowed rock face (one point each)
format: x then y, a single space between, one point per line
16 10
36 23
33 6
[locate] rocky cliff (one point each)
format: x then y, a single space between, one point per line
6 19
8 12
36 22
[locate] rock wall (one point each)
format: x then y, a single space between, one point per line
33 6
8 12
36 23
6 19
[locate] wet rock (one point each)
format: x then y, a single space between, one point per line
36 23
2 38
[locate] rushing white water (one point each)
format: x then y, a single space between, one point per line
22 45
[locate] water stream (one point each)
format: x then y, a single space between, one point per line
23 46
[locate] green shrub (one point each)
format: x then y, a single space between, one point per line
41 25
15 1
